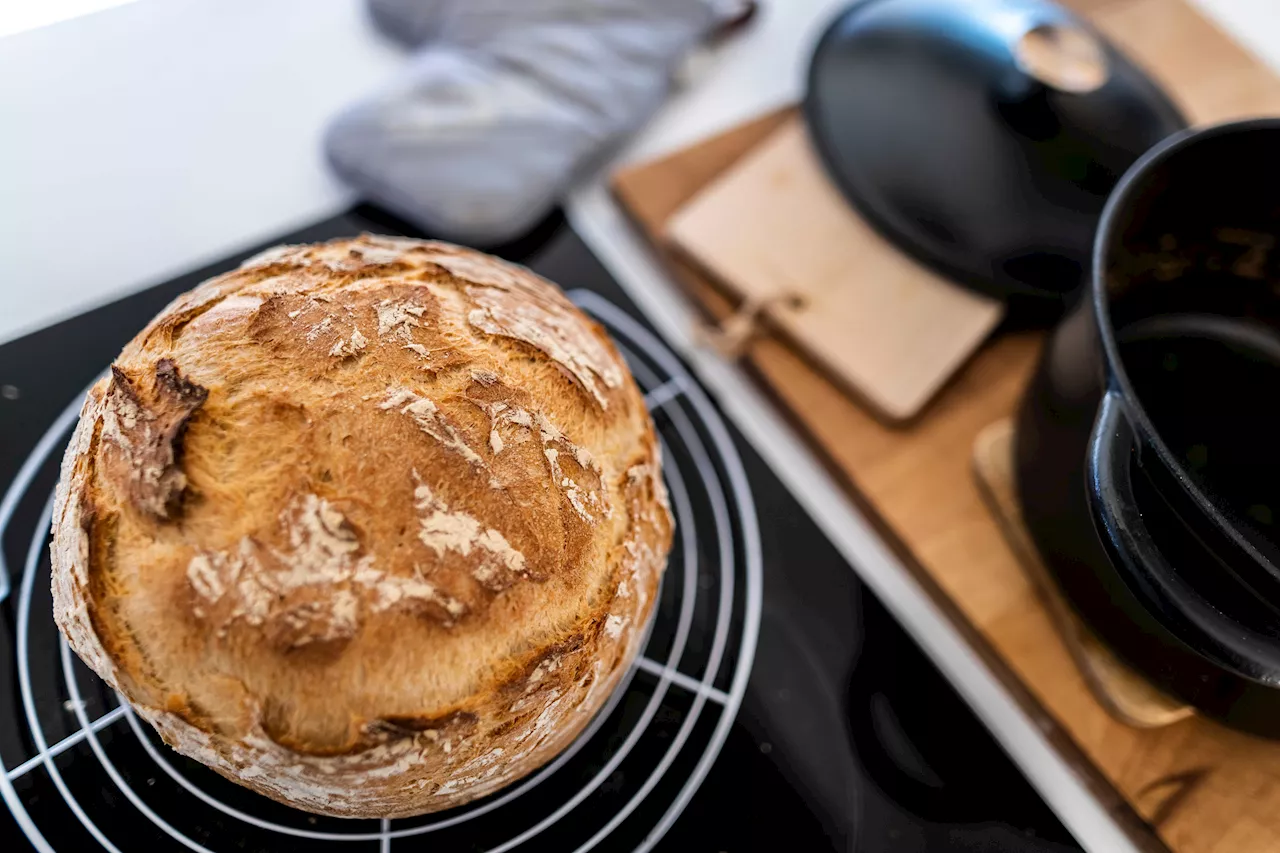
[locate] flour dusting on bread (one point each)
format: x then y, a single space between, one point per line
496 565
399 318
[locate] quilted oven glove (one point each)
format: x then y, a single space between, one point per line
506 102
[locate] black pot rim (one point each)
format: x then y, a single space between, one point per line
1117 203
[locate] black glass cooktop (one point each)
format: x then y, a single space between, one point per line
775 706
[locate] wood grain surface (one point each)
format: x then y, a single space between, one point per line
1192 786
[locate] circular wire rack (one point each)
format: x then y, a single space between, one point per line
78 767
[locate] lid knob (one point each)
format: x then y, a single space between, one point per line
1063 57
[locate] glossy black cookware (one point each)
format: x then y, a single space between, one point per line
982 137
1148 454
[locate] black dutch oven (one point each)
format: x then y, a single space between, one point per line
1148 448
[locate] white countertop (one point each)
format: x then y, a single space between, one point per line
141 141
144 140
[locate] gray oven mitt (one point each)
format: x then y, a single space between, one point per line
505 103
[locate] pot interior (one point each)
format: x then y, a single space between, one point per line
1191 312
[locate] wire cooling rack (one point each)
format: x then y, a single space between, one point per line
77 766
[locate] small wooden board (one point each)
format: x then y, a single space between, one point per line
775 232
1193 786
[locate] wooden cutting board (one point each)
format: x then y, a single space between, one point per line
776 231
1193 786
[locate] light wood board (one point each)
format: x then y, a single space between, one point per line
776 232
1193 786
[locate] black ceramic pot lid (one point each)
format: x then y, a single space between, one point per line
983 136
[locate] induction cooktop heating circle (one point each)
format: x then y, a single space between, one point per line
649 748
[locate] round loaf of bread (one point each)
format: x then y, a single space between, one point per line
372 527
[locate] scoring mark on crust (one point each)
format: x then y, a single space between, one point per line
558 331
428 417
143 426
581 490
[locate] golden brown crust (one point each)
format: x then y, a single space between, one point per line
372 527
